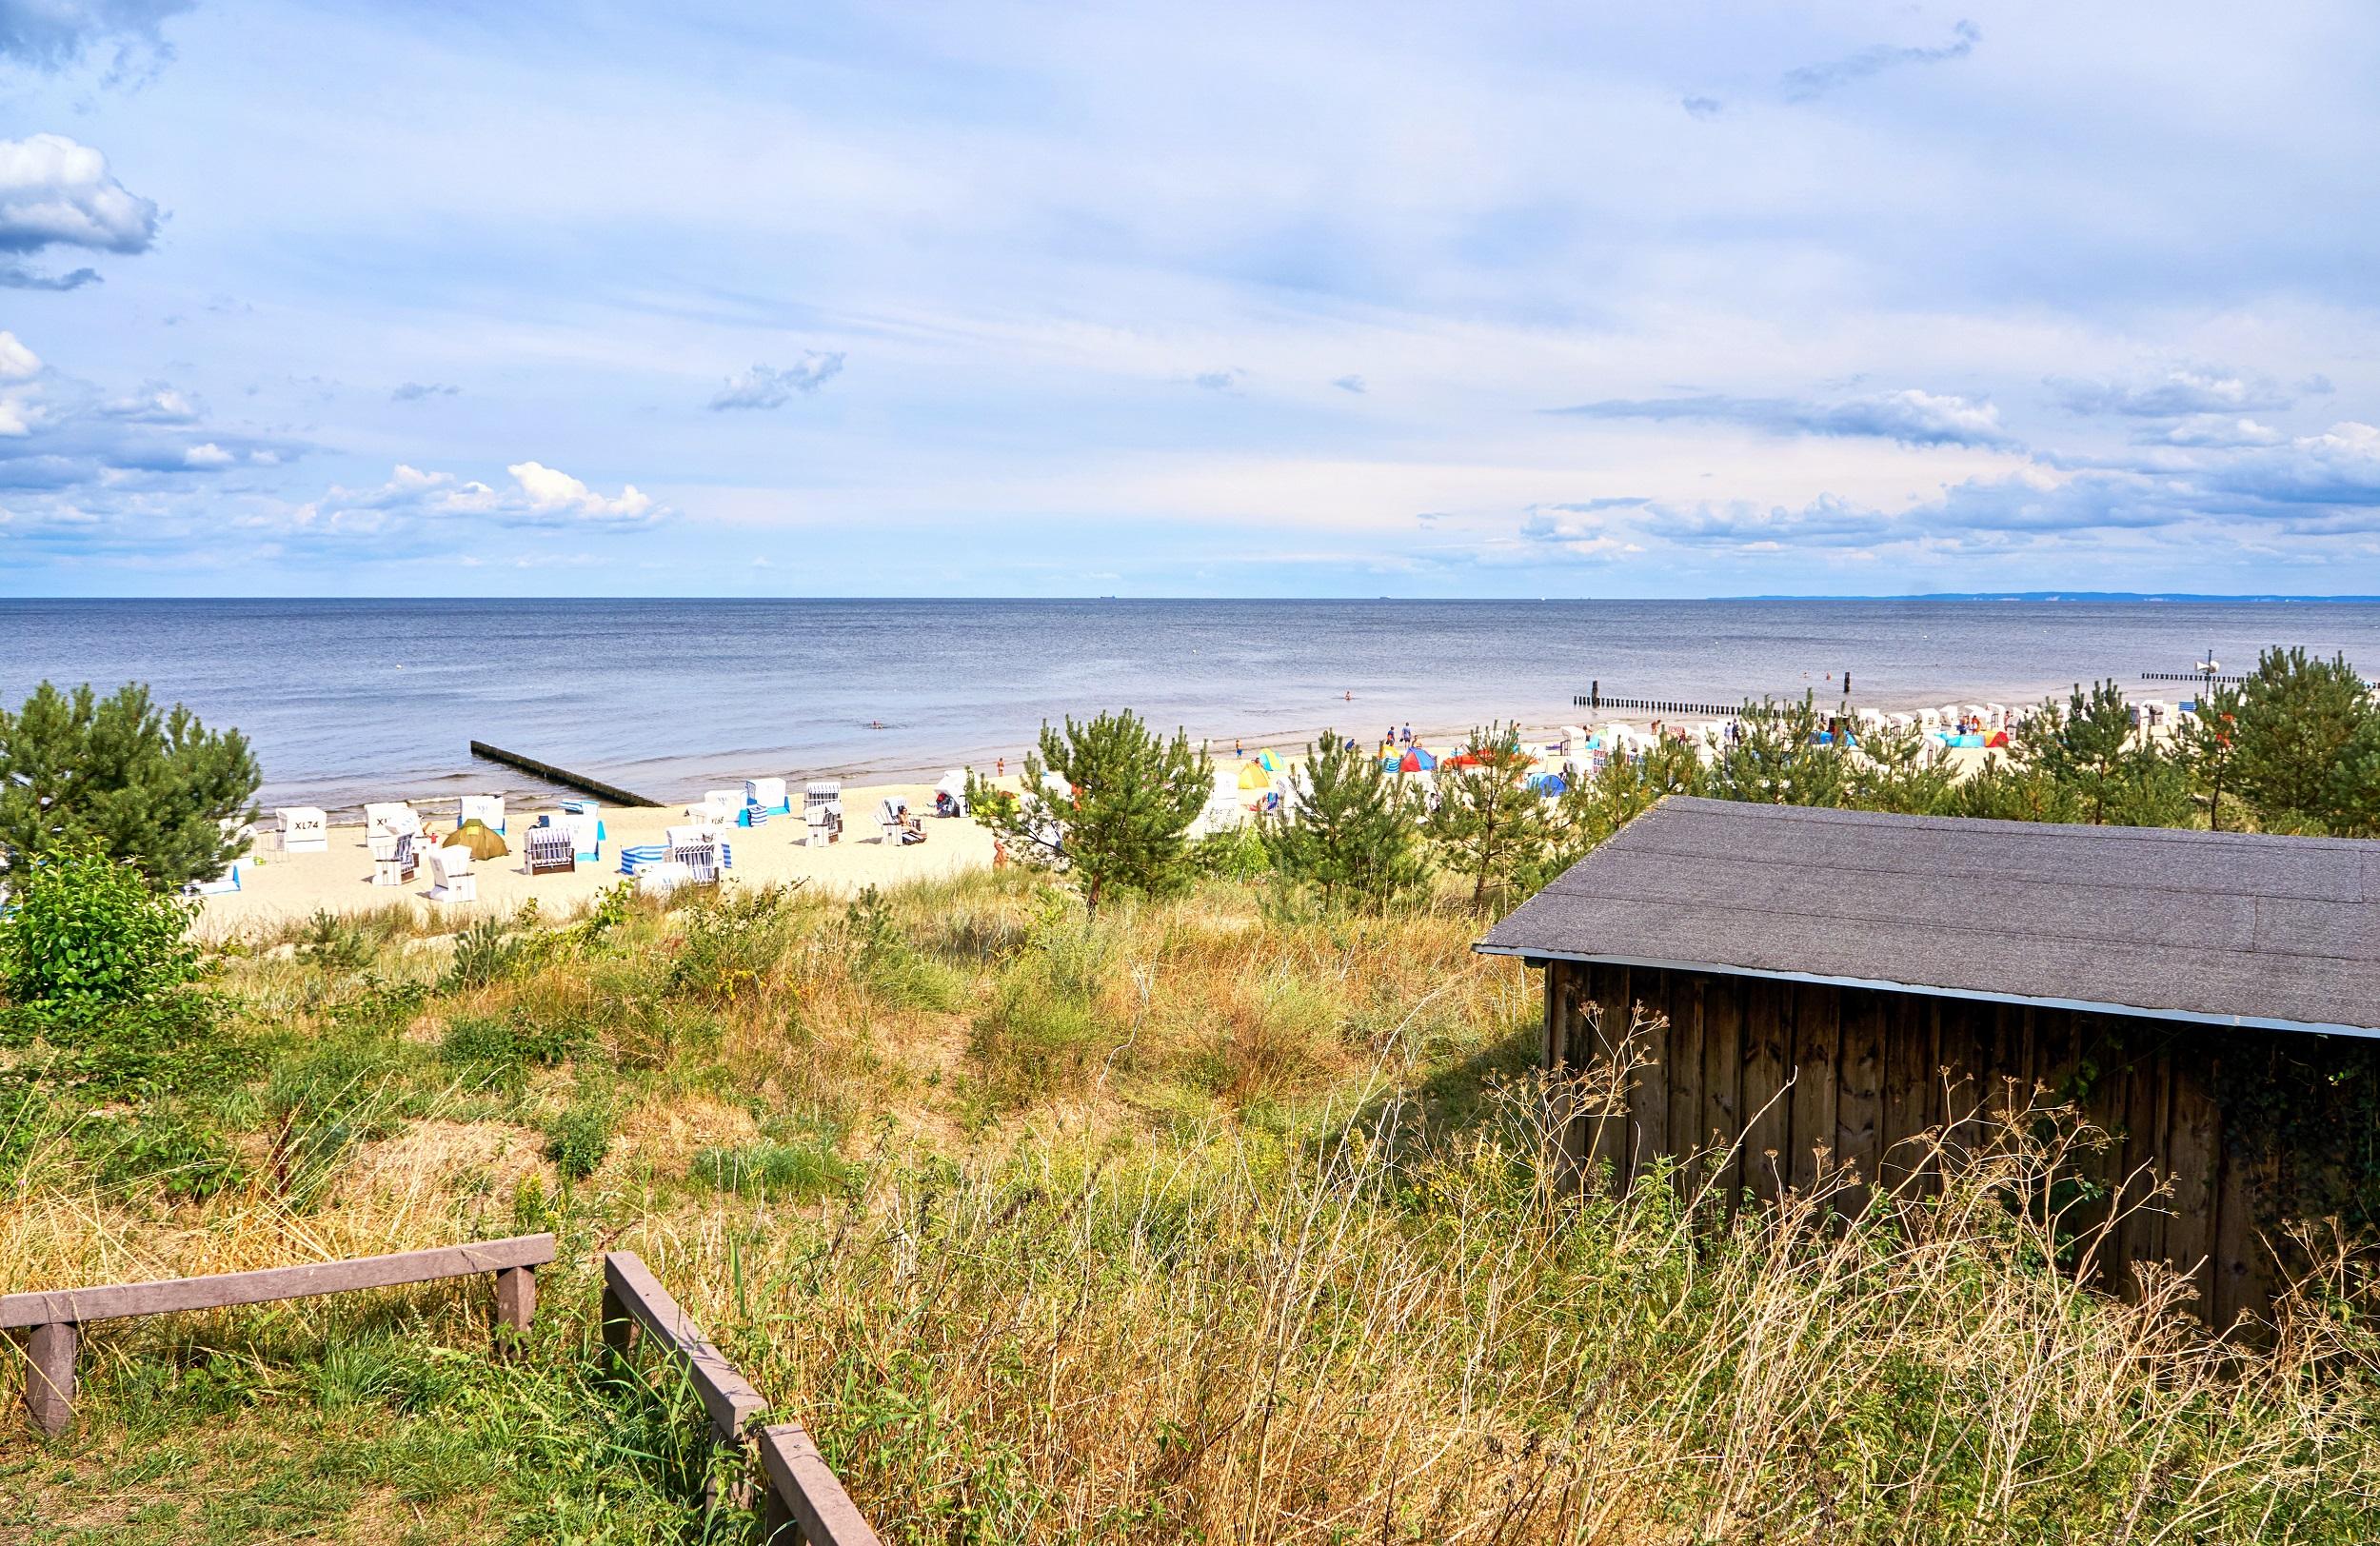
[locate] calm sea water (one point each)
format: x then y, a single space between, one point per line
348 699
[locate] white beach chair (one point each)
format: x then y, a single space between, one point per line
662 879
768 794
304 829
451 875
818 826
698 857
385 821
892 824
825 795
950 795
551 849
489 810
396 866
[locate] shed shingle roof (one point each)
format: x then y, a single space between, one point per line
2229 927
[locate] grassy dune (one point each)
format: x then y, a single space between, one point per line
1202 1223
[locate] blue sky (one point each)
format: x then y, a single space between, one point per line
1676 299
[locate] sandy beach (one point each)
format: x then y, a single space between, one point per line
279 888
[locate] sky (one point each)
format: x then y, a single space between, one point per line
1661 299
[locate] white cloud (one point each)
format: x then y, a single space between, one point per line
208 455
17 362
540 496
56 192
155 403
764 388
53 34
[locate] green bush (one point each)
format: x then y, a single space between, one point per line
499 1049
86 935
578 1137
887 965
163 1148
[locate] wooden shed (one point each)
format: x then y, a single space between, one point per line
1847 980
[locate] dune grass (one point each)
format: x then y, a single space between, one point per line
1205 1222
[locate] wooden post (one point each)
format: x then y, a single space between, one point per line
516 1305
619 1326
50 1375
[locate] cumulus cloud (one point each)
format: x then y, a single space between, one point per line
1912 417
2179 391
1703 106
17 362
55 34
208 455
156 402
764 388
1812 81
413 391
55 192
539 496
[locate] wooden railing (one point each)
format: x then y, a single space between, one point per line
56 1316
805 1505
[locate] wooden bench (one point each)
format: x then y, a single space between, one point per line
805 1505
55 1317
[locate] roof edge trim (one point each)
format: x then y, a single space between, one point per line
2261 1023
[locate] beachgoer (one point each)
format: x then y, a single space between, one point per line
1236 748
1409 735
1001 764
1349 695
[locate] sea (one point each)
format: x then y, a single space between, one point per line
346 700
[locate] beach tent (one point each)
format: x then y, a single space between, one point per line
1462 759
1266 761
1548 784
479 839
1417 759
1252 776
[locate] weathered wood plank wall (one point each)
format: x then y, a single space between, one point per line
1793 1068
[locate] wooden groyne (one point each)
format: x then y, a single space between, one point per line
2189 676
1655 706
563 776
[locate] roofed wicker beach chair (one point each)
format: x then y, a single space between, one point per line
396 867
552 850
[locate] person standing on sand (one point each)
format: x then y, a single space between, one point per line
1238 748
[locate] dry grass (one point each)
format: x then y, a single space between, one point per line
1188 1226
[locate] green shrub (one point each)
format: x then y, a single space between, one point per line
578 1137
732 942
160 1147
86 935
796 1172
485 952
499 1049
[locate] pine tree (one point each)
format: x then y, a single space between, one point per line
1120 824
2298 717
1778 759
1353 838
2209 745
2083 746
152 788
1489 825
1595 805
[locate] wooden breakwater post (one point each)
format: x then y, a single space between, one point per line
560 775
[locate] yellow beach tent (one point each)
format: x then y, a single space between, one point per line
1254 777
